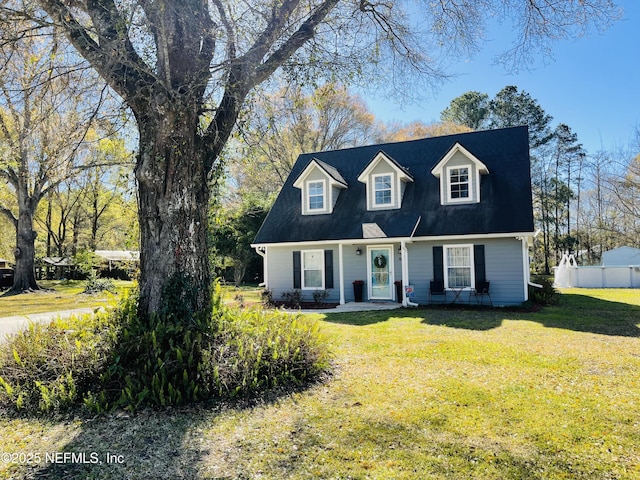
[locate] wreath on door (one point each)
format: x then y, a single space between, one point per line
380 261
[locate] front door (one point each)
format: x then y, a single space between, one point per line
380 263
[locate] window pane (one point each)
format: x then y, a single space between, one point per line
312 264
459 267
383 197
382 189
316 196
459 182
315 188
312 260
459 277
460 175
383 182
459 256
316 203
313 279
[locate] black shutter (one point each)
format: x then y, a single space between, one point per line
478 263
297 270
438 264
328 269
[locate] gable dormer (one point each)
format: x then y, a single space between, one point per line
385 181
320 185
459 173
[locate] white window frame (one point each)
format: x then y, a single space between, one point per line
303 269
469 182
325 200
472 272
392 188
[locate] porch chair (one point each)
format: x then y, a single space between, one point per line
482 289
436 287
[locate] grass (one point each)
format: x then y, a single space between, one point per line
245 295
416 394
67 295
57 295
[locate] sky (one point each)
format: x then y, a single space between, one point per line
592 83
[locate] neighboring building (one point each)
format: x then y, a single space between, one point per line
119 264
621 256
456 209
114 257
5 263
58 267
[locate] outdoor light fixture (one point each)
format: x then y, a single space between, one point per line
358 251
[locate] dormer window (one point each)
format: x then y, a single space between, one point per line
316 195
383 190
458 184
459 173
385 182
320 185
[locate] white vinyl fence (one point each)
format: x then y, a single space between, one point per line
568 274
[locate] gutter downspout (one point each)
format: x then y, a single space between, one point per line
530 282
405 275
526 268
262 251
341 272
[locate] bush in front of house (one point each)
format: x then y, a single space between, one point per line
547 295
118 361
293 298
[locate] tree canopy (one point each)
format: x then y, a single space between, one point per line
186 67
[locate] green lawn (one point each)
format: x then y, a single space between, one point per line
67 295
57 295
415 394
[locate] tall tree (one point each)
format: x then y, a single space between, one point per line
293 120
185 68
568 155
626 191
511 107
396 132
237 226
44 118
470 109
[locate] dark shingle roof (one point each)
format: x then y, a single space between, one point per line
331 171
505 205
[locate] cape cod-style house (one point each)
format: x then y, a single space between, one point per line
452 211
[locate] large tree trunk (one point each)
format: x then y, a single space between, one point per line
173 204
25 276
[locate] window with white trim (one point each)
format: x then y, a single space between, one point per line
313 269
459 186
382 190
458 266
316 196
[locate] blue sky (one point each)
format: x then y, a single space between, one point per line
592 84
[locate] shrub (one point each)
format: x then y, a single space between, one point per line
156 360
547 295
119 360
319 296
293 298
257 350
233 352
267 297
48 367
95 284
